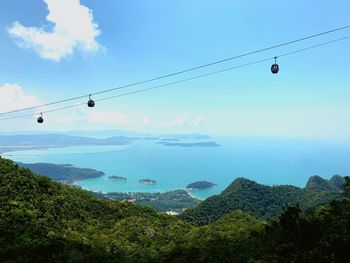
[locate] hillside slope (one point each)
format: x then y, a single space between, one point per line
258 200
41 219
45 221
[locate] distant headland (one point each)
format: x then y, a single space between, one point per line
62 172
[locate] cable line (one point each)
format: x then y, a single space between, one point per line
185 80
181 71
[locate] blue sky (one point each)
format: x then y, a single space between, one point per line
126 41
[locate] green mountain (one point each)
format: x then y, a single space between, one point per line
261 201
42 221
337 181
45 221
318 183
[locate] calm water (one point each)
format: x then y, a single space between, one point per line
265 161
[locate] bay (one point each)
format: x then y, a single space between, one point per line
267 161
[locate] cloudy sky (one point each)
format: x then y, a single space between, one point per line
56 49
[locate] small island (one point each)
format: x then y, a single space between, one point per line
115 177
200 185
147 181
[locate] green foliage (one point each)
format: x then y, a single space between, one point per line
346 187
45 221
320 236
233 238
318 183
41 220
176 200
259 200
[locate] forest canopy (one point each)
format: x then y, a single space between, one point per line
45 221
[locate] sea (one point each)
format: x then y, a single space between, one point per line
266 161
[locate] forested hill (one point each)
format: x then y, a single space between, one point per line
45 221
259 200
318 183
41 220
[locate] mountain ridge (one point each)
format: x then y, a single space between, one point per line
259 200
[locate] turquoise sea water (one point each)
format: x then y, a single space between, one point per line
265 161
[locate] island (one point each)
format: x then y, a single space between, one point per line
115 177
200 185
147 181
190 144
61 172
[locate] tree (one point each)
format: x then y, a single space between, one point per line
346 187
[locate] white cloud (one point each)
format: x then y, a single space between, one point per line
109 117
177 121
83 114
146 121
184 120
77 114
13 97
73 27
198 121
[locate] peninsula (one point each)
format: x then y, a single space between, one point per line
61 172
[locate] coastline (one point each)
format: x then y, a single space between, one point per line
193 196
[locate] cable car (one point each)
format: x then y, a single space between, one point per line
40 118
275 68
91 103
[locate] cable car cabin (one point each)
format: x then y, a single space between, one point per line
274 68
40 119
91 103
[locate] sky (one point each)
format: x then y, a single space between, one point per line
56 49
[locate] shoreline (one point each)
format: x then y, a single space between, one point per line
134 192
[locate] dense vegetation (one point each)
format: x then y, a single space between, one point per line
61 172
259 200
176 200
45 221
318 183
41 219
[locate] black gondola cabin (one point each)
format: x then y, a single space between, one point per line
91 103
275 68
40 118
